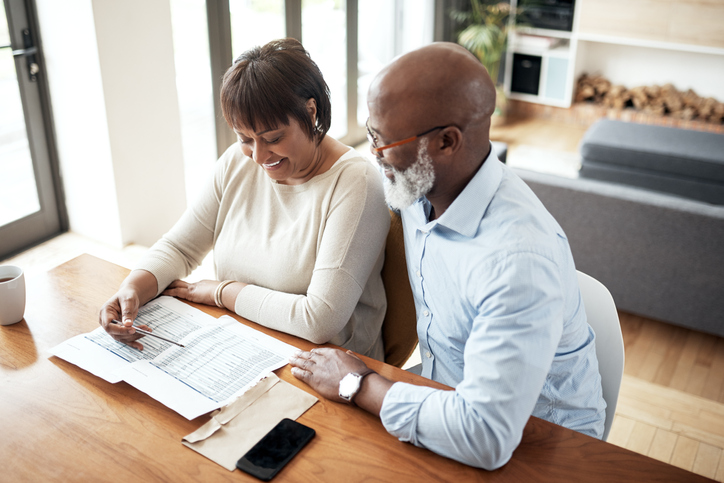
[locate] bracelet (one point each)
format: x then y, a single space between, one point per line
219 289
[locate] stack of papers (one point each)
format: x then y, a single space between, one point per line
221 359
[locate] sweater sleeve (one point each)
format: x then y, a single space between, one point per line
351 246
184 247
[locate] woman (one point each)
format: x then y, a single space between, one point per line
297 220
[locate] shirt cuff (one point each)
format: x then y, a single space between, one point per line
400 409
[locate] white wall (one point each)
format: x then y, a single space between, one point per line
633 66
113 91
71 55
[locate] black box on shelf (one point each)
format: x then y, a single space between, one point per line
526 74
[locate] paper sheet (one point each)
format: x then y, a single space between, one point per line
233 430
222 358
101 355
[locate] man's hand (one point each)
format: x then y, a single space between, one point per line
324 368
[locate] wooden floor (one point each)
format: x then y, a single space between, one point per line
674 357
671 405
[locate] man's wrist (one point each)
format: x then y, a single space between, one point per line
372 393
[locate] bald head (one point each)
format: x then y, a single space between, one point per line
439 84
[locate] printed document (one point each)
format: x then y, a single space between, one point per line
221 359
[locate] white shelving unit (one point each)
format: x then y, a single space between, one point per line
654 44
556 73
557 63
694 66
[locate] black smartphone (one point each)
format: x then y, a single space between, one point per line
276 449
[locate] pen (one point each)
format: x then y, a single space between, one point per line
145 332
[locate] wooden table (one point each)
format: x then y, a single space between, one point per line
61 423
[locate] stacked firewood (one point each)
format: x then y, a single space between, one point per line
657 100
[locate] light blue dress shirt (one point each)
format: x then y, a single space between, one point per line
500 318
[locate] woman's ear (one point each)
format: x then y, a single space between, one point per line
312 110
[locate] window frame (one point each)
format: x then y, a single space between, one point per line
219 27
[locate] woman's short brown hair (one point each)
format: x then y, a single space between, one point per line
266 85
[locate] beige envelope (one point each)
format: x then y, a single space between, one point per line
235 428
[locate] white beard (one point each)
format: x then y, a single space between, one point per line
414 182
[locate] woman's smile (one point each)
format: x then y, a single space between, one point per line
271 166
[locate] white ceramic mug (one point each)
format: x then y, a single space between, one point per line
12 294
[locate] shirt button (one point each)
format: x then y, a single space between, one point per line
418 273
426 313
428 354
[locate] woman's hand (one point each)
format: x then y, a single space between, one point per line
123 307
200 292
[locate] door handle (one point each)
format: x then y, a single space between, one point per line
25 52
29 53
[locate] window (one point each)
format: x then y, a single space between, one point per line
255 22
324 35
350 40
195 93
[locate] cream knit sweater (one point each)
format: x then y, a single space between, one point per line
311 253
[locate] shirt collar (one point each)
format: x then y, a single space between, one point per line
467 210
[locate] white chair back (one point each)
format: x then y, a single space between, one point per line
603 319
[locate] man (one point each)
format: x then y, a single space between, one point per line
499 313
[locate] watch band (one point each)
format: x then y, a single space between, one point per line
362 376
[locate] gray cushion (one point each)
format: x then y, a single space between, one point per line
692 188
681 152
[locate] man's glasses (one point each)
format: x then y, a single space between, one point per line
377 151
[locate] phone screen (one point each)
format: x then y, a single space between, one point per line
276 449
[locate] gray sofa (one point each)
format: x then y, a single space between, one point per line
660 255
682 162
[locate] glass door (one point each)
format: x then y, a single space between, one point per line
28 201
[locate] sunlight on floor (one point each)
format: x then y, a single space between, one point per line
533 158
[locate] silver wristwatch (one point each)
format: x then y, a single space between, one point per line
350 384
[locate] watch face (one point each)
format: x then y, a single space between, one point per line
348 386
